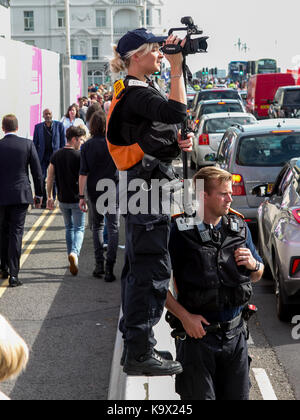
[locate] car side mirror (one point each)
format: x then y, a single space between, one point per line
210 157
261 190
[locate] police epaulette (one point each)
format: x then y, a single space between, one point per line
236 213
175 216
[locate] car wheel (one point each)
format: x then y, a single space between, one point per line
283 309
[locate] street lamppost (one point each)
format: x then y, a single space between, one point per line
145 13
67 59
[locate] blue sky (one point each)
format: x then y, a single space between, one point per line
269 28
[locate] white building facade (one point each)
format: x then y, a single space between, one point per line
94 26
5 25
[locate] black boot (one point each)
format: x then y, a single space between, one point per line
109 273
151 365
162 353
99 270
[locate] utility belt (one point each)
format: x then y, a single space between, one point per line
152 168
218 327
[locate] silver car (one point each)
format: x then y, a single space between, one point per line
210 132
279 236
255 154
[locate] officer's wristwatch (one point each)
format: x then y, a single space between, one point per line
257 267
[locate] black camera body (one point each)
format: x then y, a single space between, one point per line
192 45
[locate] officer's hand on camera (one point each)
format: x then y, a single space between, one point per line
175 59
243 256
192 325
186 144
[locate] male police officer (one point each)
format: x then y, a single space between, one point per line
214 264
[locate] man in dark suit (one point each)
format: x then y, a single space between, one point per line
17 155
48 137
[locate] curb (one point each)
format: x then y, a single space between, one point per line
123 387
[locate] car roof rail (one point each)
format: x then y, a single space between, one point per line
240 126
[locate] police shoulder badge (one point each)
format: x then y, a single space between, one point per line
119 88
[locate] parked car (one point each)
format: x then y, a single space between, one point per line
261 91
279 236
255 154
244 95
214 106
210 132
286 103
208 94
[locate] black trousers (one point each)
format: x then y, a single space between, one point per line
98 222
12 221
145 276
215 367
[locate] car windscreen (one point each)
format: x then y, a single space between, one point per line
212 108
221 94
292 97
220 125
268 149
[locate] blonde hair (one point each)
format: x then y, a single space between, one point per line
118 63
210 174
14 351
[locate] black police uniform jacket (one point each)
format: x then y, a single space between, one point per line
206 274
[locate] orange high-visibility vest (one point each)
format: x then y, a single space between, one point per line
124 155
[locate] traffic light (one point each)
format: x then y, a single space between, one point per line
241 69
157 73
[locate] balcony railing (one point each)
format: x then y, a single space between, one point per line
5 3
127 2
123 30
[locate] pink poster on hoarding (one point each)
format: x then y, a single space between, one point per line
79 79
36 89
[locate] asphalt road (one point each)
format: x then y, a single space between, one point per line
69 323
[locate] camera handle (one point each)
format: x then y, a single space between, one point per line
184 125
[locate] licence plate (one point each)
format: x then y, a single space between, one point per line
264 106
269 188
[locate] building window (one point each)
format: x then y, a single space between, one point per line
29 42
61 18
147 17
159 16
28 21
96 77
95 49
100 18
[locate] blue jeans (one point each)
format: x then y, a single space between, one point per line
74 220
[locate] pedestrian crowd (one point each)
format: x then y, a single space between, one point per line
62 152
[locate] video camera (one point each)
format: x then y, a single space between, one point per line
192 45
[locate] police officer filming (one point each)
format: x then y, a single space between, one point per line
214 264
143 139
